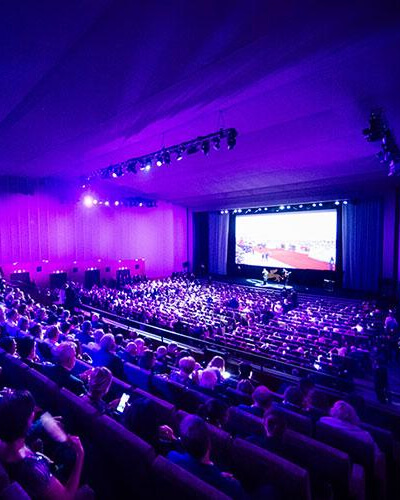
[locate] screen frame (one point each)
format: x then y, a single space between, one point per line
309 277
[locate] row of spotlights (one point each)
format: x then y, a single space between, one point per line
166 154
90 201
281 207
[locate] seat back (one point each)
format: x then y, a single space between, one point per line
360 452
13 373
167 389
119 453
14 491
44 390
242 423
321 460
78 414
171 481
164 409
297 422
137 377
254 466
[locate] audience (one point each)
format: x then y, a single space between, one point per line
196 459
99 382
262 401
33 471
60 372
274 429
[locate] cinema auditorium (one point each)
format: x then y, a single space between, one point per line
199 250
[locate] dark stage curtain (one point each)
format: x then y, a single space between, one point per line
218 239
362 244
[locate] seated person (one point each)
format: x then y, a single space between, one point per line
186 368
215 412
99 382
245 387
60 372
161 364
343 417
217 363
262 401
142 419
85 334
32 470
208 381
9 345
129 354
274 429
196 442
147 360
293 399
27 352
105 356
52 338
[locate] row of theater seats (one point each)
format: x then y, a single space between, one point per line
247 461
121 465
326 453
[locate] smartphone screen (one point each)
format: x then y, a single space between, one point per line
122 402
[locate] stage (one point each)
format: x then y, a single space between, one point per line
260 284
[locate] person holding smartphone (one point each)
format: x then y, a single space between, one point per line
30 469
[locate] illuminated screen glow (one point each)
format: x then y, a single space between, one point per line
292 240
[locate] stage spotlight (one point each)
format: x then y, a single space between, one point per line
167 158
222 212
314 204
88 201
235 211
116 203
265 208
205 147
107 203
95 202
300 206
240 210
377 126
226 211
281 207
114 174
320 204
231 138
179 154
159 161
288 207
337 203
216 142
140 204
345 202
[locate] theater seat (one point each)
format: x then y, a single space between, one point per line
43 389
360 452
171 481
4 479
137 377
164 409
327 464
77 413
14 491
254 466
243 424
168 390
13 373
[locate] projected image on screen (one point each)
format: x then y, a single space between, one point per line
296 240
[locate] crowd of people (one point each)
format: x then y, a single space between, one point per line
51 340
343 338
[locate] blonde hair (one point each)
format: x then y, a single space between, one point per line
218 363
208 378
344 412
100 379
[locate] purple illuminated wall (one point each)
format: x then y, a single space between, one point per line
39 227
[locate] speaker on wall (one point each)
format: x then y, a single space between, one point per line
137 266
39 269
18 278
58 280
74 269
108 269
92 277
